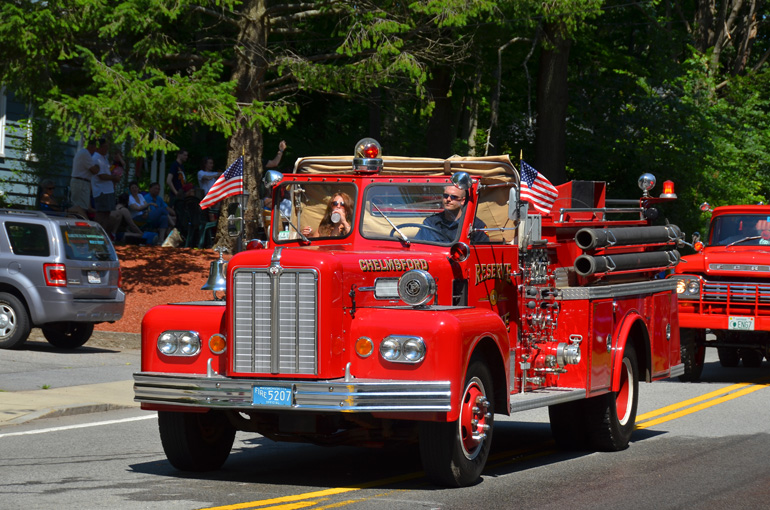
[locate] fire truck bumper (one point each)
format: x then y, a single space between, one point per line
340 395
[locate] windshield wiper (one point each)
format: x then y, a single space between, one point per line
404 239
749 238
300 234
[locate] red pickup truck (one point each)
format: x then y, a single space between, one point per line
724 288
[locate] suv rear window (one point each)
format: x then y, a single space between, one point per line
85 242
28 239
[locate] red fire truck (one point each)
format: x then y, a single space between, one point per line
725 288
382 324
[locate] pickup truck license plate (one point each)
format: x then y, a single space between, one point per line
271 396
740 323
93 277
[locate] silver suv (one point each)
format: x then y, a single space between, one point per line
59 273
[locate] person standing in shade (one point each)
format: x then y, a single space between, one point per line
83 170
176 177
273 163
103 186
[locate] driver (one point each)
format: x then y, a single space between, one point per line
444 225
763 229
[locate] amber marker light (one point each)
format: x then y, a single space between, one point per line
698 246
364 347
217 343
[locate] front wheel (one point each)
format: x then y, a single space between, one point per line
693 347
196 441
611 417
454 454
67 335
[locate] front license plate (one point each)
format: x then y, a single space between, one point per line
740 323
271 396
93 277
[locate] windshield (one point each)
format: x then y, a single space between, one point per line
416 210
314 210
748 229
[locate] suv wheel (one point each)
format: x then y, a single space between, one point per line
14 322
68 335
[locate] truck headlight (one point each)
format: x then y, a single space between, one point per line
416 287
688 287
179 343
403 349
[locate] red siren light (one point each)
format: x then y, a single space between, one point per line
698 246
668 190
367 154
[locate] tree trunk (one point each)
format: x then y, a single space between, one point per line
440 129
552 97
249 73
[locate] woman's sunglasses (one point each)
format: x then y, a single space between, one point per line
337 204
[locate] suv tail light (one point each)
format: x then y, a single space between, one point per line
55 275
120 277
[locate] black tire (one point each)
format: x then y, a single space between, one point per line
14 322
568 425
729 357
752 358
693 347
196 441
611 417
451 455
67 335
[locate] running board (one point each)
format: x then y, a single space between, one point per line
544 397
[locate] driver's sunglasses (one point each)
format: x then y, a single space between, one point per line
337 204
453 197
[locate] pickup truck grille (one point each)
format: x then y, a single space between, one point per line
275 321
743 293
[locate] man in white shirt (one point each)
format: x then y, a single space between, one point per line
83 169
103 186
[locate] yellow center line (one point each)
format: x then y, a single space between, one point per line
311 499
645 420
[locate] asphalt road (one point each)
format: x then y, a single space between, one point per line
699 445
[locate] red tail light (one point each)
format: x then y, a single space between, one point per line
120 277
55 275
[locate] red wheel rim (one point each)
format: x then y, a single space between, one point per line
474 420
625 395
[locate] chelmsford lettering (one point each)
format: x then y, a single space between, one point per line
392 264
486 272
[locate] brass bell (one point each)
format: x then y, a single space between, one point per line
217 273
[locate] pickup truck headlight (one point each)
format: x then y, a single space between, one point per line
179 343
416 287
688 287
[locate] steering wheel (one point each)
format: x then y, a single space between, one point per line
420 226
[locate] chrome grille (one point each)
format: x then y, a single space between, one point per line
734 292
275 321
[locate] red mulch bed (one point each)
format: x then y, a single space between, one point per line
153 275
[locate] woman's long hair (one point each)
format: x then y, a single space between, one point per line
326 226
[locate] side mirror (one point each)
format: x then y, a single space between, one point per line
513 205
695 237
234 220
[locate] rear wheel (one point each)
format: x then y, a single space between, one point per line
196 441
14 322
693 342
454 454
611 417
67 335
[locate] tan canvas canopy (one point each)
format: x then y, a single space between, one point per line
489 168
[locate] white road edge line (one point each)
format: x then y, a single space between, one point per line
81 426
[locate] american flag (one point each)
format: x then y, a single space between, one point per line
229 183
536 189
